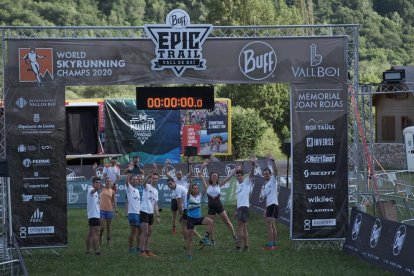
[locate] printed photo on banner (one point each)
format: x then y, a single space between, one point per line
208 130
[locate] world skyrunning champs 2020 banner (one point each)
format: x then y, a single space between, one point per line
113 62
320 168
153 133
178 52
36 156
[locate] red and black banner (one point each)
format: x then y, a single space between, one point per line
35 133
320 161
385 243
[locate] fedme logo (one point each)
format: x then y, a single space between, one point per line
257 60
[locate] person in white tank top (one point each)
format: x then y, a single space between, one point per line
212 187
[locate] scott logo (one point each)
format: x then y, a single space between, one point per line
308 173
257 60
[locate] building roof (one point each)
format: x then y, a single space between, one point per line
407 85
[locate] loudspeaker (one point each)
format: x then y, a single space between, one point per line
286 148
190 151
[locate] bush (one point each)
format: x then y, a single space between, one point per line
247 130
269 143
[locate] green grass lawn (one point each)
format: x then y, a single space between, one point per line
214 260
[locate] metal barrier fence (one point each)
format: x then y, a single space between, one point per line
398 187
12 262
392 197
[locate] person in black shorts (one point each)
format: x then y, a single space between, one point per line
94 220
243 190
181 180
270 192
215 206
195 217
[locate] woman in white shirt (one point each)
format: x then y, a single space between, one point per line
212 187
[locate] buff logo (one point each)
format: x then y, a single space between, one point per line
257 60
178 44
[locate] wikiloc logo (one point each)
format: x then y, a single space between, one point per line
178 43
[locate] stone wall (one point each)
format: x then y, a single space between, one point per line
391 156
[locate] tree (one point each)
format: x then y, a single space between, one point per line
247 129
269 143
271 102
254 12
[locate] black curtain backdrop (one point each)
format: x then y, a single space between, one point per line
4 169
81 130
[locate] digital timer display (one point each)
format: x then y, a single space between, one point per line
196 97
174 102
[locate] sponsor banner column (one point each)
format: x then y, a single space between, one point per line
320 171
35 133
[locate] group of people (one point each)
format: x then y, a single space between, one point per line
186 205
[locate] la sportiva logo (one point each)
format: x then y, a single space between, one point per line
178 44
34 64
